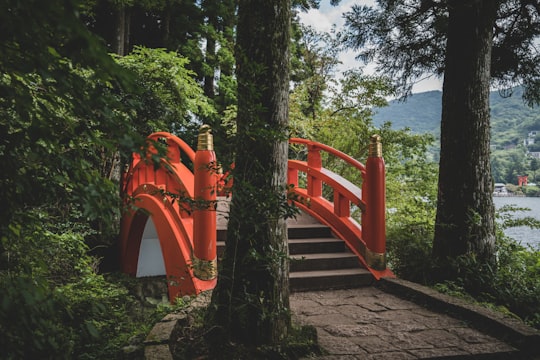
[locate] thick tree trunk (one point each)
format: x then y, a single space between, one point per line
251 300
465 211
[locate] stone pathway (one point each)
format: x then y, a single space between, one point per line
392 320
369 323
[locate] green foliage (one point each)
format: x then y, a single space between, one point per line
408 40
511 285
169 98
411 202
66 115
56 306
31 320
32 311
532 191
63 126
344 122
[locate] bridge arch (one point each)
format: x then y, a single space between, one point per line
150 262
174 242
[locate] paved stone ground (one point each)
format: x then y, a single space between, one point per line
393 320
369 323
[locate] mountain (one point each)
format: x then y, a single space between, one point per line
420 112
511 118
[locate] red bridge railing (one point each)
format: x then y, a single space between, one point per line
366 239
182 205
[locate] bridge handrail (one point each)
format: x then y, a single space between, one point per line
316 145
172 166
179 142
337 213
366 240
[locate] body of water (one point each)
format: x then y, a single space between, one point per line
523 234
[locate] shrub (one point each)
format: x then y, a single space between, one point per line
532 190
31 320
511 285
55 305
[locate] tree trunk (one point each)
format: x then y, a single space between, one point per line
251 299
465 211
210 57
120 38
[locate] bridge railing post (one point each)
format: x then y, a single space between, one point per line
314 161
204 208
374 194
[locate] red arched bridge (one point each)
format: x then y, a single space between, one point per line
170 225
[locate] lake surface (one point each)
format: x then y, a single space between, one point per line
523 234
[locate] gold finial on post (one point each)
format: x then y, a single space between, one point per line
375 146
205 140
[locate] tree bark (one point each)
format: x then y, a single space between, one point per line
465 212
120 38
251 299
210 10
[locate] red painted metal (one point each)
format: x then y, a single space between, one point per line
204 212
184 231
172 233
161 192
375 195
318 147
336 214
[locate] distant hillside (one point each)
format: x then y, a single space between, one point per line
420 112
511 119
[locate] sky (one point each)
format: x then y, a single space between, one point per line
324 18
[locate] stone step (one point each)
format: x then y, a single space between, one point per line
316 245
305 246
329 279
319 260
323 261
294 232
308 231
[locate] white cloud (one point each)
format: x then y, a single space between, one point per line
324 18
327 16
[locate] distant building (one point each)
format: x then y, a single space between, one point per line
531 136
528 141
500 190
534 154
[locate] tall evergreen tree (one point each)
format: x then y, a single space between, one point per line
465 221
251 300
470 42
